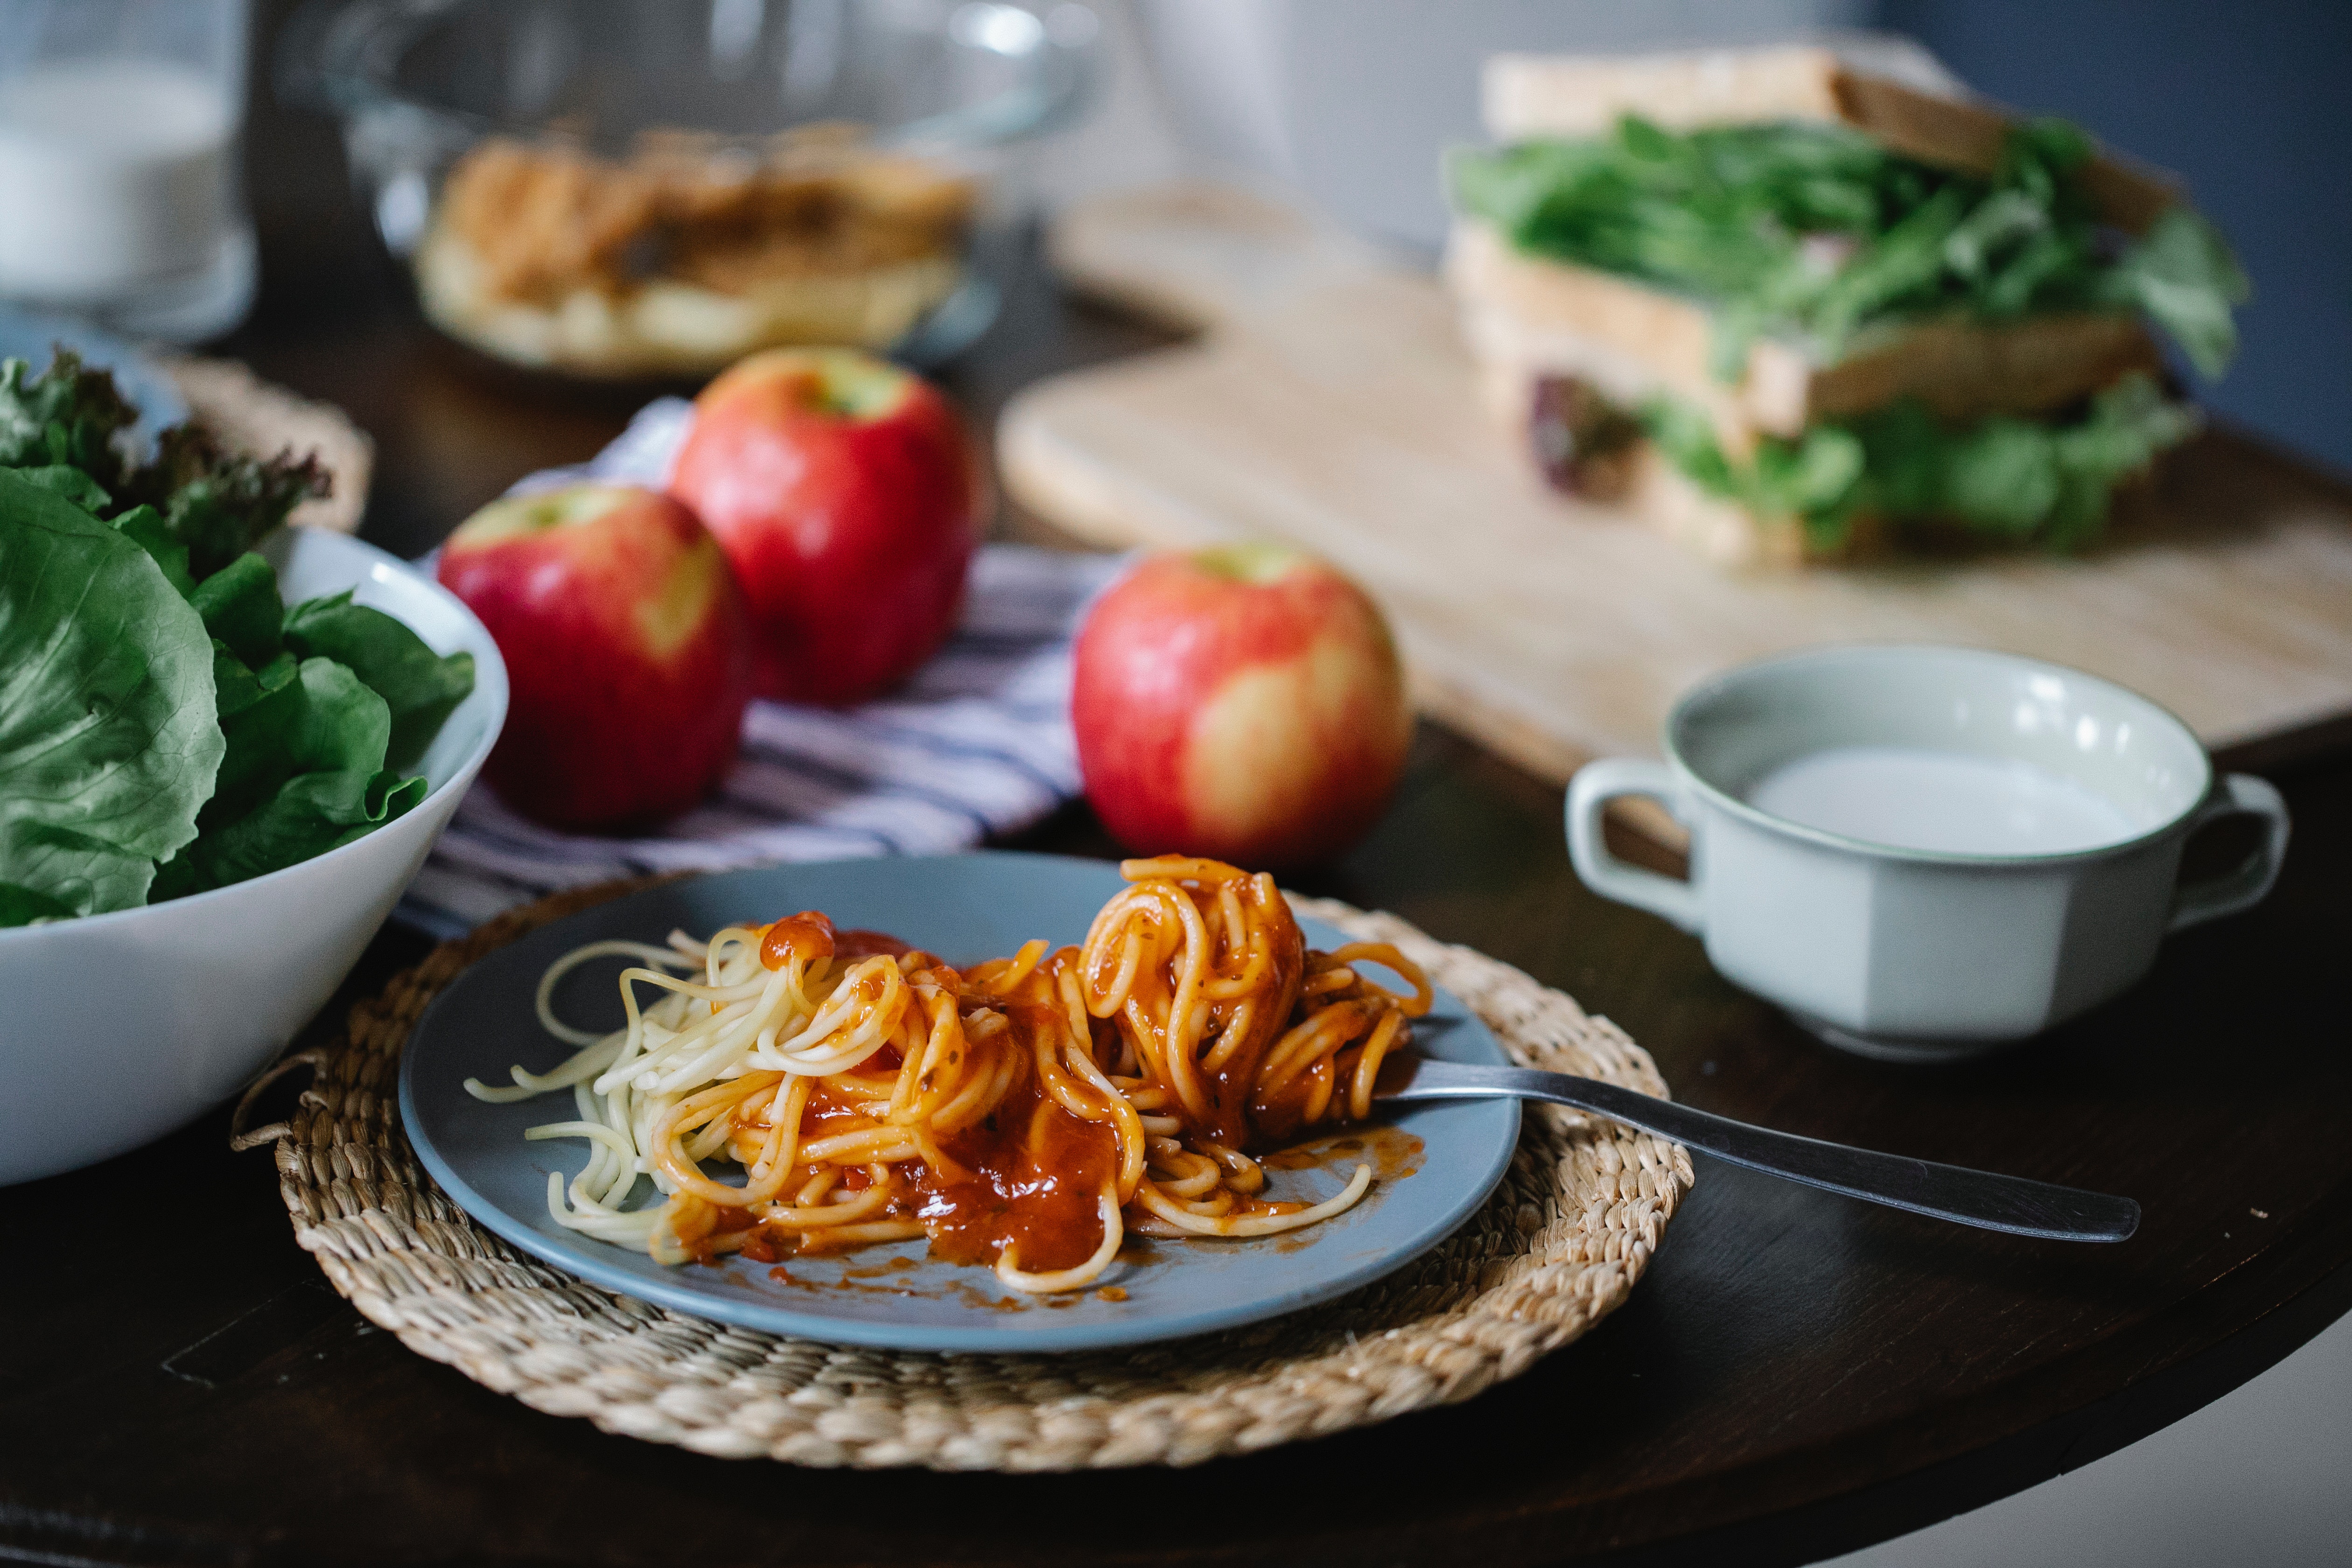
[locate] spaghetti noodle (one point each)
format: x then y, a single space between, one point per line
1027 1111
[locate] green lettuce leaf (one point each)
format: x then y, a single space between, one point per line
68 415
239 687
241 609
1811 233
2182 274
313 717
108 739
421 688
143 526
2129 424
309 814
215 503
157 735
21 906
2001 476
64 480
2011 479
304 772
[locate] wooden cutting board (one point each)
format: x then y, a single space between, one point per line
1329 402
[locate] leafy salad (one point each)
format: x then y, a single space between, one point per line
2018 479
1814 231
167 724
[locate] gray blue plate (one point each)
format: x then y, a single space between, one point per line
963 908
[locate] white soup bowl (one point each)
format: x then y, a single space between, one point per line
1924 953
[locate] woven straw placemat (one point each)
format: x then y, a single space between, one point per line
1563 1240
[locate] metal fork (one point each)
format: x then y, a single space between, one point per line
1980 1198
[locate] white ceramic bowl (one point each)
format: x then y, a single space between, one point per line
119 1028
1916 955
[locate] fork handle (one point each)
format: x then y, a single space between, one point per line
1980 1198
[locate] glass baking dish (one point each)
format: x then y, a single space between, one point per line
629 189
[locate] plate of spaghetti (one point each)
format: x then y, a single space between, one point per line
991 1101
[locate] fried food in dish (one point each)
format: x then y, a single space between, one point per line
688 253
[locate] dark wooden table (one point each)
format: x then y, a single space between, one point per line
1799 1374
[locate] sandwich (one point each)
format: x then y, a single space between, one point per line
1810 302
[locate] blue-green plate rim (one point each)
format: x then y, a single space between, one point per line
1491 1123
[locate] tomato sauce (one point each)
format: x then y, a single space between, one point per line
1232 1121
807 936
1036 1182
856 942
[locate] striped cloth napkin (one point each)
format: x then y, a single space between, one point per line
977 743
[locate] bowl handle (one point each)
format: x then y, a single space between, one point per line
1588 795
2238 795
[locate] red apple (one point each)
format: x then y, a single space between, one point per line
627 647
1245 703
842 491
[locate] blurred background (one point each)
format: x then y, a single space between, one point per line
1345 100
1346 104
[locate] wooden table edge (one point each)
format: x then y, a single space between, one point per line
1841 1522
